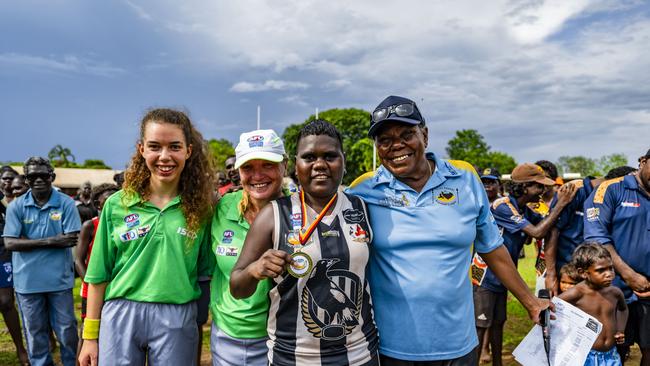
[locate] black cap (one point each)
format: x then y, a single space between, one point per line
491 173
647 155
414 119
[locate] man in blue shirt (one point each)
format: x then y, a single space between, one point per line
617 214
517 221
41 226
568 231
426 213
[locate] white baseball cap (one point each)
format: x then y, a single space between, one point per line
259 144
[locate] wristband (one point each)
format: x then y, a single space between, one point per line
91 329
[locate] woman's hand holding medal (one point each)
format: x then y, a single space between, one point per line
270 265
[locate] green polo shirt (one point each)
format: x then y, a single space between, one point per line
245 318
147 254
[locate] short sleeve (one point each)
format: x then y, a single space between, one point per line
597 218
488 237
508 218
102 258
71 220
13 221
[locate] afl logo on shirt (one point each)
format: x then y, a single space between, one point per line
132 220
227 236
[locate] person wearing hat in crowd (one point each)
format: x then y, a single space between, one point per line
239 334
491 180
517 222
425 315
616 215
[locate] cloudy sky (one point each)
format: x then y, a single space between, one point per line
539 79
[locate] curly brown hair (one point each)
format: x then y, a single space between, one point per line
196 181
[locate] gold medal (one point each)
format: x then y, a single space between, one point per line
301 265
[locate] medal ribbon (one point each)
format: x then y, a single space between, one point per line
303 235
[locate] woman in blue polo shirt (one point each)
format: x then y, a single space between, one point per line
426 213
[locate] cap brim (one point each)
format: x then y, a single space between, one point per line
374 127
546 181
490 177
262 155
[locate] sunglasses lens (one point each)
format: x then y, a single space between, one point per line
379 114
33 177
404 110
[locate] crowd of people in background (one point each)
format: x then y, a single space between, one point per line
408 265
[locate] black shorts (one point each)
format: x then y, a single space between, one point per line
203 303
489 307
637 329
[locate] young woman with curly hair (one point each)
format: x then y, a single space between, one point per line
150 248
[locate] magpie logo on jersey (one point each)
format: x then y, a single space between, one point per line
445 196
331 301
132 220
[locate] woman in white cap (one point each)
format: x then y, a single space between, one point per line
239 326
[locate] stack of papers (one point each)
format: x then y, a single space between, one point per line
573 333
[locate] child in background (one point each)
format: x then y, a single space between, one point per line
569 277
597 297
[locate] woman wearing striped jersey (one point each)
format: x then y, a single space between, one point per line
315 246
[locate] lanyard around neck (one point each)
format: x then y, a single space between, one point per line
305 234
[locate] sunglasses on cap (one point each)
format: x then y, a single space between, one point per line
401 110
34 176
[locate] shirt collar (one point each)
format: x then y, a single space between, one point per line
54 201
233 211
514 203
135 198
443 171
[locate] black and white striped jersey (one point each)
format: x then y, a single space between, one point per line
325 317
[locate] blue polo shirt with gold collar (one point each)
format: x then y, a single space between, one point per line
421 253
618 213
42 270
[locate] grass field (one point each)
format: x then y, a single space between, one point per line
515 329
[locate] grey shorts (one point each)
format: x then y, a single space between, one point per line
229 351
164 334
489 307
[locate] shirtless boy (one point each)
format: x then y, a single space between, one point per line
595 296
